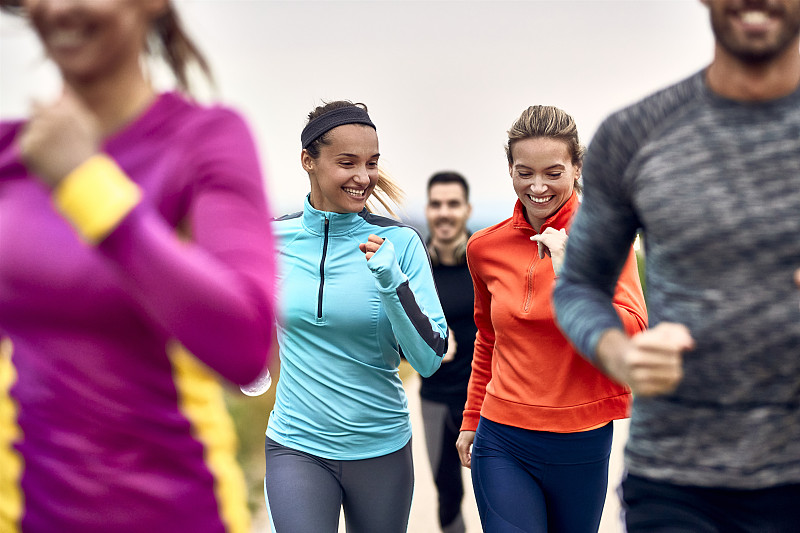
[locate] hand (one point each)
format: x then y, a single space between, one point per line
651 362
452 346
552 242
797 278
371 246
58 138
464 447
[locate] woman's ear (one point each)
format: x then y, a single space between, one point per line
306 160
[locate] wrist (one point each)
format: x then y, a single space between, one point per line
95 197
610 351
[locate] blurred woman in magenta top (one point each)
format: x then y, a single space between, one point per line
134 232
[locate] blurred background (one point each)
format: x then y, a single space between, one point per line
443 80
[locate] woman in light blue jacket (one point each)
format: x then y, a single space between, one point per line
355 292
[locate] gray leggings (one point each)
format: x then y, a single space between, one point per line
304 493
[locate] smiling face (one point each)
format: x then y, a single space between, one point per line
543 175
755 32
346 171
447 213
90 39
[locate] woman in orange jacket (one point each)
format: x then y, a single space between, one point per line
537 417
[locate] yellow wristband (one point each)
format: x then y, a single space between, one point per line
95 197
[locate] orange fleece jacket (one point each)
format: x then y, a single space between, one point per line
525 373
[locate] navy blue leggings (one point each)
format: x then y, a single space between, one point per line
537 481
305 493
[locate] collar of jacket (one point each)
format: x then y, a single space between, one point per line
560 219
338 223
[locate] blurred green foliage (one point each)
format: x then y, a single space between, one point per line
250 415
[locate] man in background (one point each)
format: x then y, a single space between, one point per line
444 393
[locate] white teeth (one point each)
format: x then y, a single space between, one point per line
754 17
354 192
539 200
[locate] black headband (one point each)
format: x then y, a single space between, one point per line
322 124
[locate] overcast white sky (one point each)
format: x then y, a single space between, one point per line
443 80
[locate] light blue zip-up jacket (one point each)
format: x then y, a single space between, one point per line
342 323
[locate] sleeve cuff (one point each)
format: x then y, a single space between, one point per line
470 420
384 266
95 197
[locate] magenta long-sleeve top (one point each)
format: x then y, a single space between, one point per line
112 425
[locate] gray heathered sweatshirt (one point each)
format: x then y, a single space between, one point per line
714 185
